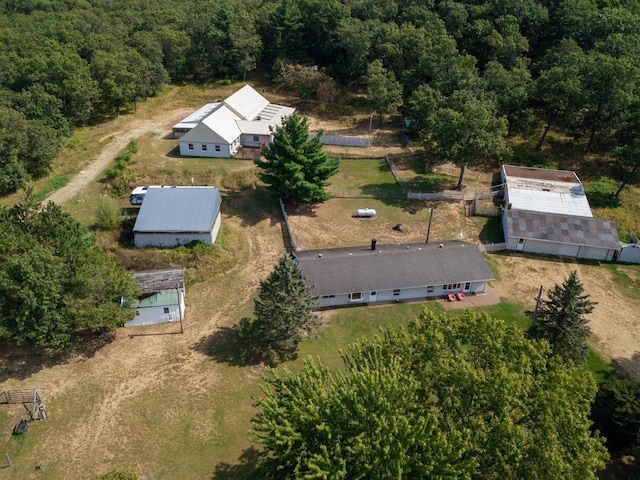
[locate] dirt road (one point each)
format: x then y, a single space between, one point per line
119 140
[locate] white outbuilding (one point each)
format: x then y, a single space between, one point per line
177 216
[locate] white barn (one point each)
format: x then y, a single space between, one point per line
246 119
176 216
162 299
390 273
562 235
547 212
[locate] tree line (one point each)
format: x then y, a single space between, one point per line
486 67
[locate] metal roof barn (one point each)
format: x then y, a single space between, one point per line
177 216
546 191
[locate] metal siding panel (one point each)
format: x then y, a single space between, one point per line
155 316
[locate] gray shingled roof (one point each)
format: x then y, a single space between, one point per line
152 281
179 209
359 269
588 231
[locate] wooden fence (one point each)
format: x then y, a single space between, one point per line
287 234
493 247
435 196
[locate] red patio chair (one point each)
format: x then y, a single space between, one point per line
452 297
460 296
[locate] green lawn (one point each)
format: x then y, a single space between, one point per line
365 178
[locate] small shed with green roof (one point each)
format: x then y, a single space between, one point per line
162 299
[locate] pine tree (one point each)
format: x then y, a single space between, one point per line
295 167
283 309
561 320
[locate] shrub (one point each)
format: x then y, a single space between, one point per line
108 213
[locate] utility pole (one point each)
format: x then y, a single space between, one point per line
429 227
538 301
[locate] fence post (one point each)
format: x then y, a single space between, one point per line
8 459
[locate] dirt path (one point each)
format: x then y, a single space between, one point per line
132 130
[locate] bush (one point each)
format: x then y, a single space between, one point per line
133 146
108 214
120 474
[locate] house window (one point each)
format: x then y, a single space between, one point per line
451 286
430 289
191 146
374 293
467 285
396 292
217 147
204 147
256 138
521 241
355 296
328 296
166 309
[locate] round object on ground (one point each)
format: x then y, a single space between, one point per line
21 427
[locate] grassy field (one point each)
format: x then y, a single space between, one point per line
179 406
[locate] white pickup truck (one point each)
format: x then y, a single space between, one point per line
138 193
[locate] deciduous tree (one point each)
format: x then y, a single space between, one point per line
449 397
54 283
295 166
466 128
627 164
383 90
561 320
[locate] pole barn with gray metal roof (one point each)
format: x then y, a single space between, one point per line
175 216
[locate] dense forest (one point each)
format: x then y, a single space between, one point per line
574 64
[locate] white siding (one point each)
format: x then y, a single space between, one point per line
226 150
249 140
170 239
417 293
595 253
155 315
629 253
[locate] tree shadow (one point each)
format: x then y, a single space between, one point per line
251 206
382 190
301 209
241 346
248 462
599 199
19 363
491 231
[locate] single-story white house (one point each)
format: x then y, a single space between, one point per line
246 119
563 235
547 211
178 215
387 273
162 299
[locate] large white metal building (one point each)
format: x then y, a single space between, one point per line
547 212
178 215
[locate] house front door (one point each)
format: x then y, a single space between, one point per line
520 246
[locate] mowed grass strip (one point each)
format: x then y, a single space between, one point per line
364 178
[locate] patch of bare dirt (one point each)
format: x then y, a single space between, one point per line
614 323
